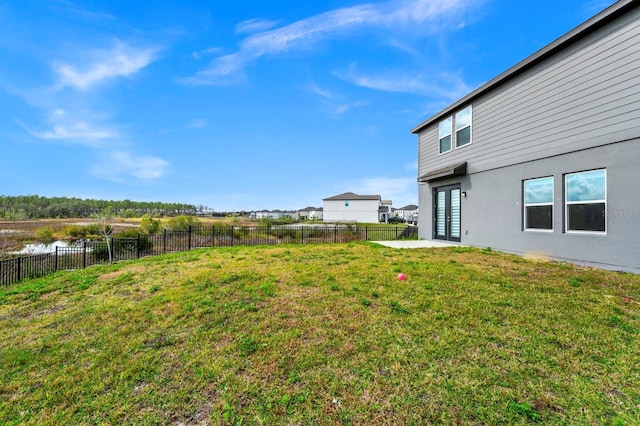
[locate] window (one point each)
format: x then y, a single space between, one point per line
445 135
463 127
346 203
586 201
538 204
461 121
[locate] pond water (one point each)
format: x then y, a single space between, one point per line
40 248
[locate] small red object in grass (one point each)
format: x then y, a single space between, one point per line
402 276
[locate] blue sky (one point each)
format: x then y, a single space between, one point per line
245 105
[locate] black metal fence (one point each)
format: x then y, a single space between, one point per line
99 252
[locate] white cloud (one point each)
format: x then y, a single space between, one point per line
255 25
224 70
119 61
69 128
341 109
313 88
332 24
116 165
146 168
210 51
120 166
70 8
401 191
198 123
445 85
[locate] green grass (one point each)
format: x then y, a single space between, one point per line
322 334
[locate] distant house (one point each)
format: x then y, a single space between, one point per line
350 207
268 214
259 214
276 214
409 213
384 211
309 213
544 158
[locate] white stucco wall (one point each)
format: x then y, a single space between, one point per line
365 211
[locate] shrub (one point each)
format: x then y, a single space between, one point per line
132 233
182 223
129 233
285 233
45 234
83 231
149 225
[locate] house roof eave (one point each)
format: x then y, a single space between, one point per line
573 36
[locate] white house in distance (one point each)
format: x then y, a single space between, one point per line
268 214
350 207
409 212
309 213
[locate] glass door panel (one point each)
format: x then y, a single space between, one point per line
455 214
447 213
441 214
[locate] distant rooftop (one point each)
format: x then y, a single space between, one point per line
352 196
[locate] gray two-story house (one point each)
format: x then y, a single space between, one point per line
545 158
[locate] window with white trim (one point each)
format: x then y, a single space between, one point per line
444 134
463 127
538 204
461 123
586 201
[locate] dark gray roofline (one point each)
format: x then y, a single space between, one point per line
446 172
352 196
609 14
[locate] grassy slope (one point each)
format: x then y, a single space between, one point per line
322 334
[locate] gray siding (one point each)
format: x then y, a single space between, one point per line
577 110
492 212
585 96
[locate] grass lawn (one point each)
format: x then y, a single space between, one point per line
322 334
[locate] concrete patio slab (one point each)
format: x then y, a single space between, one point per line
407 244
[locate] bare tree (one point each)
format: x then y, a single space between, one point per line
104 220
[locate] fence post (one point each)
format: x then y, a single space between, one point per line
396 232
335 234
84 254
302 236
138 247
164 241
113 252
189 239
19 268
55 267
213 236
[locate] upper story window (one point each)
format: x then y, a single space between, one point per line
461 122
586 201
463 127
444 130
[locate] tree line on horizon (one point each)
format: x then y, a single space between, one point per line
37 207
